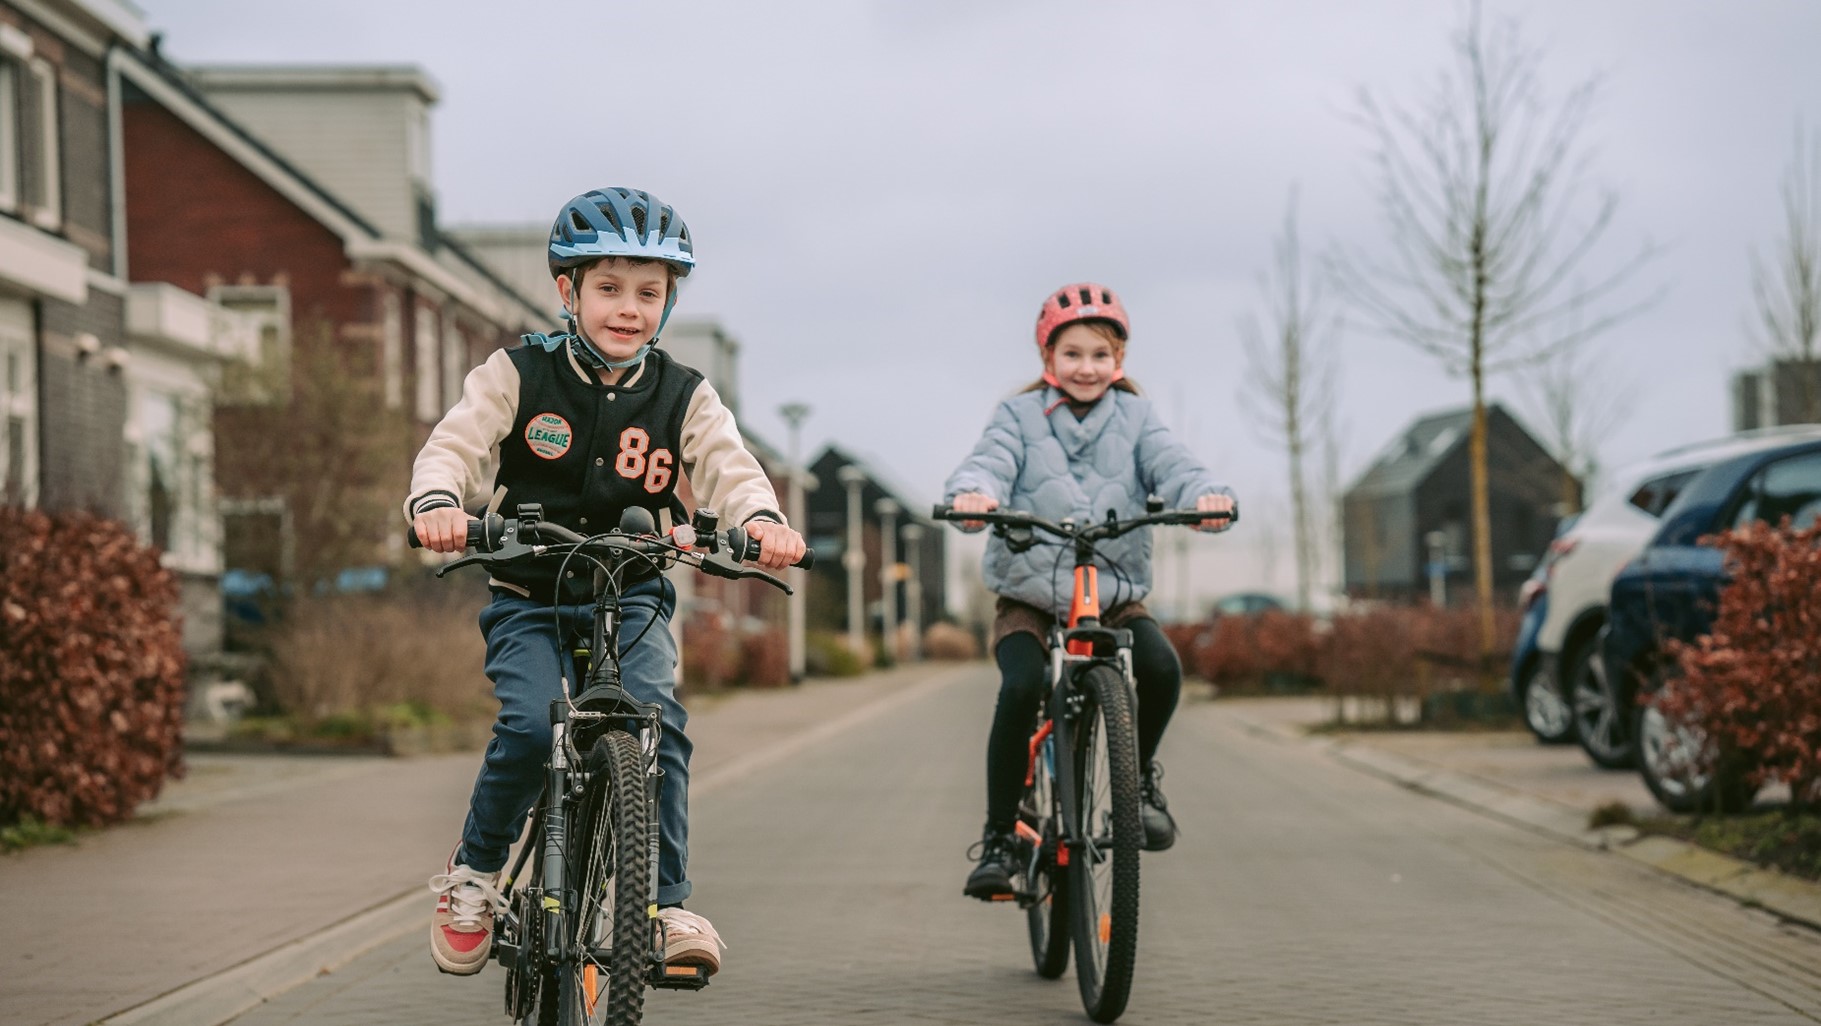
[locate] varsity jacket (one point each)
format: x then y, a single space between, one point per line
536 425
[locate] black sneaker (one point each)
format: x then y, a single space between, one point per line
1159 825
991 879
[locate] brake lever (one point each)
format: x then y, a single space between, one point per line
722 566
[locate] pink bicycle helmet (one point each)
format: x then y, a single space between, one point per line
1085 301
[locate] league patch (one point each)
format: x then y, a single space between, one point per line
548 435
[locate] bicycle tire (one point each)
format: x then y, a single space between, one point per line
1103 873
608 858
1048 916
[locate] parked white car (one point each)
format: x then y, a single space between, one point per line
1615 528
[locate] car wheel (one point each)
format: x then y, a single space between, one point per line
1671 758
1601 727
1546 713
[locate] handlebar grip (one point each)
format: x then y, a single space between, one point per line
941 511
745 547
484 533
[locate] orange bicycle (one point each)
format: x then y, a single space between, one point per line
1079 828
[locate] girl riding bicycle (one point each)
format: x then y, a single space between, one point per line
1076 443
585 423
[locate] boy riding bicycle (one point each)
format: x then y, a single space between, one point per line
1075 443
587 423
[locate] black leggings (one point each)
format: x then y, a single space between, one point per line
1024 668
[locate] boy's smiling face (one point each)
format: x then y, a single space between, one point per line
619 304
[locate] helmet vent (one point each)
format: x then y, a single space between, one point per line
638 219
1062 300
575 218
1086 297
1106 297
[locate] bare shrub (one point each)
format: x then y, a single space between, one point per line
949 641
354 654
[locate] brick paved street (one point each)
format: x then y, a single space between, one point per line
1301 892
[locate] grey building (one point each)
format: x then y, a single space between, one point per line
1778 393
1410 513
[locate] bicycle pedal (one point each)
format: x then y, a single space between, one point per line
678 977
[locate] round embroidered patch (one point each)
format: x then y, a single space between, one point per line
548 435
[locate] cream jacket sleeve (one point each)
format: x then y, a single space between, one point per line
456 467
725 476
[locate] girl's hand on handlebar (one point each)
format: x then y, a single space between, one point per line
444 529
779 546
1214 503
974 502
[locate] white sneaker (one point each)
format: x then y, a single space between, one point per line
461 929
690 940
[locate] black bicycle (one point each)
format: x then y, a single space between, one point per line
580 939
1080 826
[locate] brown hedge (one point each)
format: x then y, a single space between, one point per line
1753 683
91 670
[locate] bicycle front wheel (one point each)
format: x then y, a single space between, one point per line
603 982
1045 882
1103 867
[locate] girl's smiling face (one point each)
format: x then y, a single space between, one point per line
1083 361
619 304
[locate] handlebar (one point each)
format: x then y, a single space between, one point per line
494 540
1092 531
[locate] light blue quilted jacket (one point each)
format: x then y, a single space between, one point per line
1056 466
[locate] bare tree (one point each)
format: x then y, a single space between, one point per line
1481 185
1291 378
1573 421
1786 285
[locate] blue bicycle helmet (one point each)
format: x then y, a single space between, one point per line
615 222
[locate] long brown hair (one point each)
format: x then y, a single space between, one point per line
1106 330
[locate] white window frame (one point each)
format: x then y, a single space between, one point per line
47 213
429 379
270 307
455 362
392 349
19 397
9 134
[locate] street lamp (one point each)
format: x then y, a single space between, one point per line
793 414
1438 568
888 573
913 586
854 557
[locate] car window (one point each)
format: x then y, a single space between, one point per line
1787 488
1655 495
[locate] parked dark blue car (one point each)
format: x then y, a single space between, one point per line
1671 590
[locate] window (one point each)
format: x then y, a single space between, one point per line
1787 488
392 350
18 406
168 486
429 382
41 159
268 371
455 363
9 134
1655 495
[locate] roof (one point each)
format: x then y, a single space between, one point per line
323 77
919 508
1413 456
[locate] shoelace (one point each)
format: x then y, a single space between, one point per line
992 844
683 921
471 894
1153 795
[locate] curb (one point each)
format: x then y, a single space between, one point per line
222 996
1790 898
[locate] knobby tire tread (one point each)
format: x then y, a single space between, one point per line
1104 994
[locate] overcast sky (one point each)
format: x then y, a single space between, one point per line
881 194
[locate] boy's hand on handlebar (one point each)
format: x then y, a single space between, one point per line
1214 503
444 529
974 502
779 547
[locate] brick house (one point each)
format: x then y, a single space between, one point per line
918 575
104 381
308 210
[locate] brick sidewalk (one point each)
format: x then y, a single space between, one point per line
251 853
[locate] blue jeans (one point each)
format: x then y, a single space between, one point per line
523 663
